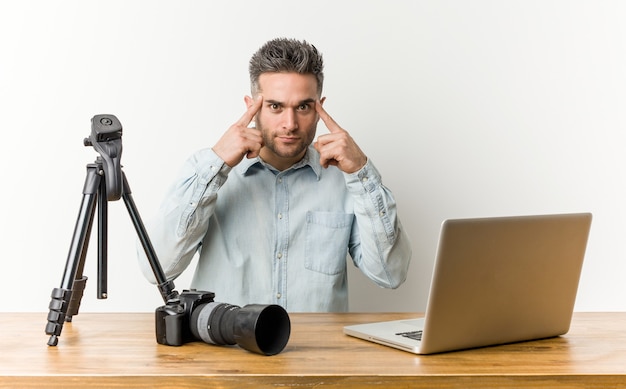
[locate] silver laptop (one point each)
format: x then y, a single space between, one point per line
496 280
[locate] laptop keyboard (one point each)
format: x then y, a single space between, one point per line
417 335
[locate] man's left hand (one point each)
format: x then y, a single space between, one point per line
337 148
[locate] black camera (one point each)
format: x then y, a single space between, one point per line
194 315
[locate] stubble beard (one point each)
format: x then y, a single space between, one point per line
269 142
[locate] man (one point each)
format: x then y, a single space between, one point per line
272 214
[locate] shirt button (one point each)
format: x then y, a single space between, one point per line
364 179
279 256
280 215
278 295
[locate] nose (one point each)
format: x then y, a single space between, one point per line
290 121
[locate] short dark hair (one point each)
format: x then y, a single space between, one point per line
286 55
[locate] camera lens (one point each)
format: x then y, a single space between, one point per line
263 329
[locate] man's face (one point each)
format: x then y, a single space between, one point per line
287 119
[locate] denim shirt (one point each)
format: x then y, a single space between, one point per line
279 237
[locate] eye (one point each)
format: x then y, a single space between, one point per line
304 107
275 107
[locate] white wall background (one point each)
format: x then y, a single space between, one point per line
468 108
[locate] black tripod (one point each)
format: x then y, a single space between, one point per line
105 181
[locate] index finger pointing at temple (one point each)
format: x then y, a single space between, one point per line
248 116
330 123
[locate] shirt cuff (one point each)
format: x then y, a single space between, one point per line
367 179
207 164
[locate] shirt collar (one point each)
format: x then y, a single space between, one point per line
311 159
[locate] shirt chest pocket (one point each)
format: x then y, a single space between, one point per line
327 237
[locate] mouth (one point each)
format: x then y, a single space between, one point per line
288 139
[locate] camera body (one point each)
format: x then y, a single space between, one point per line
173 320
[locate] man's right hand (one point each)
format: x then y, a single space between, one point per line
240 140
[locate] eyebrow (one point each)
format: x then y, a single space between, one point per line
303 102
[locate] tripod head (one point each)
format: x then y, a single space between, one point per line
106 139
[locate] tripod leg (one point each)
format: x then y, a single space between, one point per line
165 287
64 298
102 240
80 281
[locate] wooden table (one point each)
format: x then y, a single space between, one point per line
119 350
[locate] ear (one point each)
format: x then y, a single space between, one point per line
249 101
